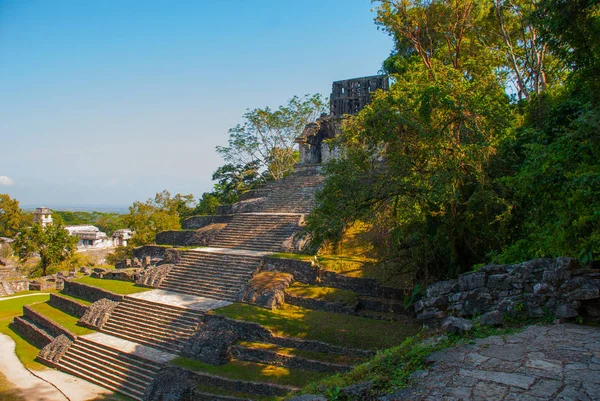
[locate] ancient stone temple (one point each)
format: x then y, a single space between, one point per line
348 97
43 216
351 95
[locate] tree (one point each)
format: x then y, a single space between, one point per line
52 243
266 138
207 205
10 216
155 215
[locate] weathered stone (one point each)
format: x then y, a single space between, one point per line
54 351
308 397
153 276
441 288
98 313
357 391
493 318
541 288
567 310
267 289
471 281
456 325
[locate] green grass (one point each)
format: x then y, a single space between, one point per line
251 371
295 256
116 286
327 294
26 292
67 321
333 328
79 300
316 356
11 308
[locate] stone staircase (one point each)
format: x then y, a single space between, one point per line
125 373
161 326
211 275
293 194
258 231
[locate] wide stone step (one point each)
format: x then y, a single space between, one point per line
206 294
157 318
131 361
201 290
100 380
225 272
158 329
197 276
167 311
158 332
221 258
171 309
173 346
205 285
231 266
111 363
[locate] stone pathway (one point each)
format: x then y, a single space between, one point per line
129 347
233 251
181 300
560 362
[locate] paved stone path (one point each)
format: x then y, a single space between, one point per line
182 300
560 362
130 347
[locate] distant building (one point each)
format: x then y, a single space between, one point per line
90 236
43 216
121 236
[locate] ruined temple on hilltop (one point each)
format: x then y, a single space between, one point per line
348 97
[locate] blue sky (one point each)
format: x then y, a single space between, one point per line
108 102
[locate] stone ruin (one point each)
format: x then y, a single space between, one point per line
348 97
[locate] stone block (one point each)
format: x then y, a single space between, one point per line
456 325
471 281
567 310
442 288
494 318
500 282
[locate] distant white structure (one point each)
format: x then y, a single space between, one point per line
43 216
121 236
90 237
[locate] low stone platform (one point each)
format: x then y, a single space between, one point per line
130 347
181 300
559 362
233 251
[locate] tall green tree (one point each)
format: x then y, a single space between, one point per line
52 243
266 137
161 213
11 216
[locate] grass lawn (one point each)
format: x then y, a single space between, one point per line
116 286
67 321
10 308
252 371
79 300
316 356
333 328
322 293
26 292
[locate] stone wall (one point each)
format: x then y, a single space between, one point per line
154 275
89 293
30 332
319 304
534 289
246 206
196 222
98 313
176 237
67 305
13 286
271 357
54 351
153 251
52 328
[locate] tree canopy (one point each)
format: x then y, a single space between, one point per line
484 148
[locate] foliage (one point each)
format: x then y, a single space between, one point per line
155 215
266 137
485 148
10 216
106 222
207 205
52 243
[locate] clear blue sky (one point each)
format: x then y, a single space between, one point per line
108 102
